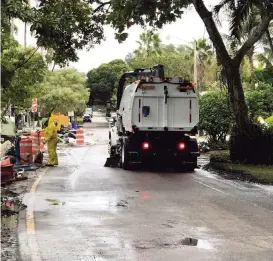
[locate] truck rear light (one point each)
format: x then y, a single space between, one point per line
181 146
145 145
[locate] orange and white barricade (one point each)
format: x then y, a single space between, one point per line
80 137
26 150
35 137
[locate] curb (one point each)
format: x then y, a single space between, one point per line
28 245
234 174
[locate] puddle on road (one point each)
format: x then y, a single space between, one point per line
187 241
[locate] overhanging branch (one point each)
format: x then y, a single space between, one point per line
253 38
25 61
101 6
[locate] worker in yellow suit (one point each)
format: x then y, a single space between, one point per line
51 137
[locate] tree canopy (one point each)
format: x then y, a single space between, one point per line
63 26
123 14
149 43
62 91
260 101
103 81
20 76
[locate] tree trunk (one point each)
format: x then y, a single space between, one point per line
245 141
25 35
230 67
231 74
53 66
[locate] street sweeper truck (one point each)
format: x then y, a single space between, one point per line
156 121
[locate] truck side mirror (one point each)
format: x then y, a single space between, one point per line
145 110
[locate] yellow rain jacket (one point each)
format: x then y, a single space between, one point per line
51 137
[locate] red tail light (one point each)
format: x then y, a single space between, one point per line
145 145
181 146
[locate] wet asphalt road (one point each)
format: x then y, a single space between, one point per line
110 214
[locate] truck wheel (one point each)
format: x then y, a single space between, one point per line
125 157
111 150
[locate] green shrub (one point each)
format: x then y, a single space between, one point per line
220 156
269 121
260 101
215 116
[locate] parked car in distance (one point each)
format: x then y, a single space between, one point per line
89 111
87 118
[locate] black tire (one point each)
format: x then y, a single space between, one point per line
124 158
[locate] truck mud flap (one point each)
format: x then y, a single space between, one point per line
112 162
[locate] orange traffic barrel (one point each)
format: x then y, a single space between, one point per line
80 137
35 143
26 150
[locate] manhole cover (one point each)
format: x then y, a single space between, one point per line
188 241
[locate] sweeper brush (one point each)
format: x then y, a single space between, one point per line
112 162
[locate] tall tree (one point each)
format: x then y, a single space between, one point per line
62 91
176 60
234 42
123 14
22 71
266 58
149 43
63 26
204 56
103 81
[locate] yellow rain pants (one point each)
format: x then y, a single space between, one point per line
51 137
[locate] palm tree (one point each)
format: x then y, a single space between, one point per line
235 41
230 66
149 43
266 58
204 56
267 39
